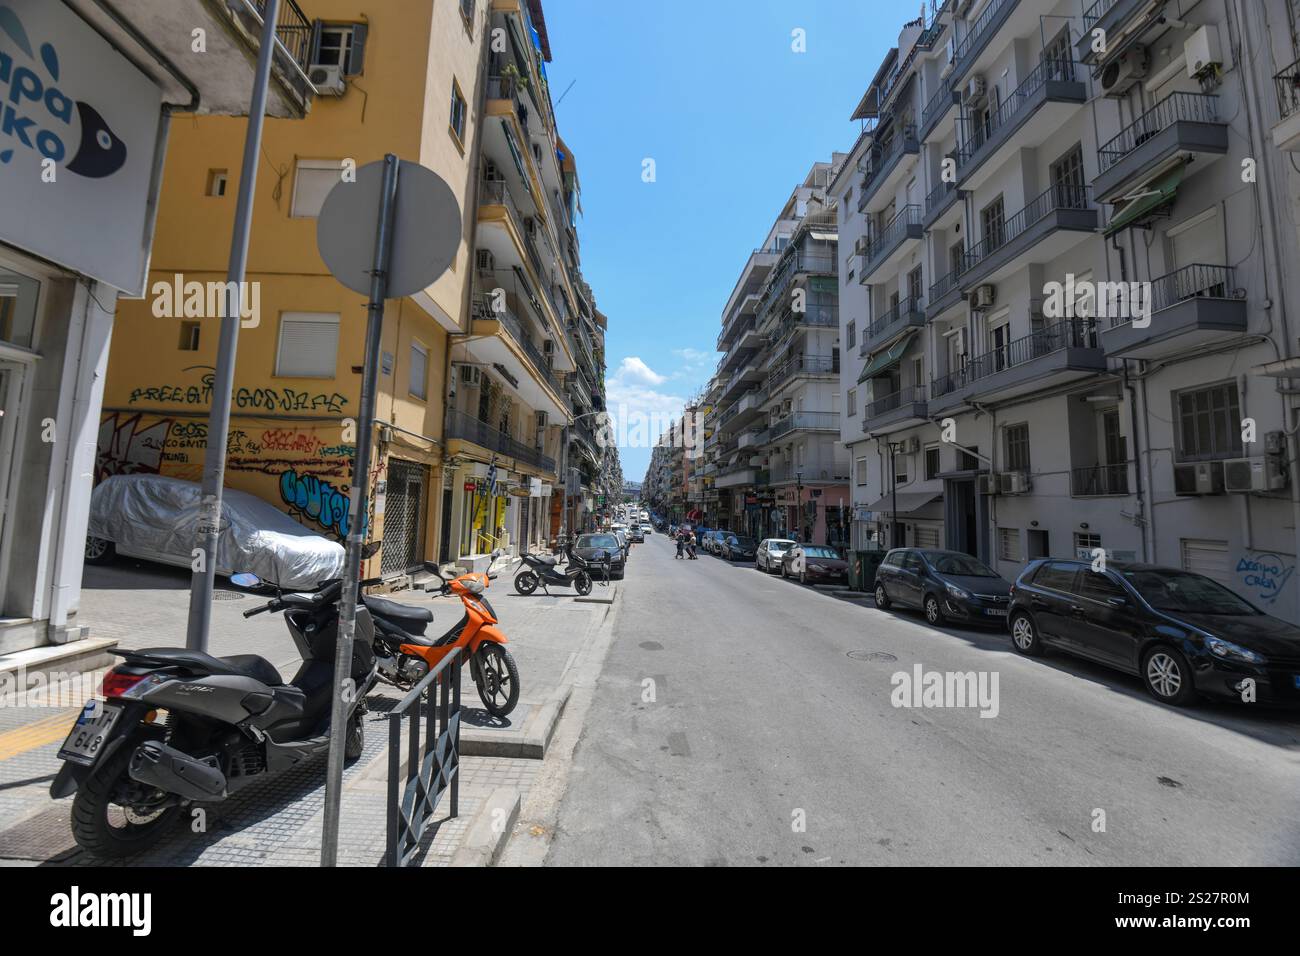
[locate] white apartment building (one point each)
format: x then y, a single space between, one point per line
773 435
1004 396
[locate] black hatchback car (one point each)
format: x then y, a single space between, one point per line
1184 634
946 585
736 547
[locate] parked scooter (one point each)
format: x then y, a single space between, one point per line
545 569
229 722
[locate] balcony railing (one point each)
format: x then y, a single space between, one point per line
1174 108
1068 333
980 131
888 321
941 101
1190 282
975 35
1054 198
1287 84
893 231
483 310
507 88
943 285
804 421
883 154
1097 480
463 426
802 365
1095 12
895 401
292 29
938 195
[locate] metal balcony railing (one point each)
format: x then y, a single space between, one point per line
941 101
894 401
938 195
802 365
507 88
804 421
975 33
882 154
889 320
463 426
1096 480
1068 333
980 130
1095 12
1176 107
944 284
1287 85
892 232
292 29
482 309
1052 199
1197 281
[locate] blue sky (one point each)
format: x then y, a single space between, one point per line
733 117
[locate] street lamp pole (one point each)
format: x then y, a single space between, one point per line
798 501
893 496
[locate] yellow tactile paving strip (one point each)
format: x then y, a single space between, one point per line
47 730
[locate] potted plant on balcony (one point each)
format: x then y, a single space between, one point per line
512 79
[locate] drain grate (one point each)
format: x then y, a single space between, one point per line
879 657
227 596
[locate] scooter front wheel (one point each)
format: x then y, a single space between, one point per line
106 820
498 682
525 582
582 584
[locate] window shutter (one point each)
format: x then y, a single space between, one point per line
309 345
315 42
357 58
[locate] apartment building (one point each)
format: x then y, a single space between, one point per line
778 466
1065 265
476 370
79 193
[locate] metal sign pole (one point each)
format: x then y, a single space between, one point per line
344 691
223 377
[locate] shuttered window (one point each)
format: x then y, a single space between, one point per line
419 387
309 345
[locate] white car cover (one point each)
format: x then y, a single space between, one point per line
156 515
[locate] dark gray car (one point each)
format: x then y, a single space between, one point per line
946 585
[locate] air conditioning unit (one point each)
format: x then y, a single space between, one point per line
328 80
912 445
1201 50
471 375
1127 69
1258 473
987 484
1198 478
984 296
860 246
975 92
1013 482
483 260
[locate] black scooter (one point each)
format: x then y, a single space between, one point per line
545 569
230 722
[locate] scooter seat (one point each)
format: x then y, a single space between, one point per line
545 559
400 613
236 665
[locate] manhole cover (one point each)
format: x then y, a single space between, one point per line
877 656
227 596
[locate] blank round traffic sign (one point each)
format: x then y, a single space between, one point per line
426 228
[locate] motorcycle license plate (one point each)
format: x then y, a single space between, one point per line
90 731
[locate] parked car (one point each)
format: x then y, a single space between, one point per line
623 542
711 539
589 547
946 585
647 528
811 563
153 517
1183 633
737 547
768 556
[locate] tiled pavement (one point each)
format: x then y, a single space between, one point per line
276 823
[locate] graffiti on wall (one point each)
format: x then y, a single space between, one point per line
264 399
309 497
1264 575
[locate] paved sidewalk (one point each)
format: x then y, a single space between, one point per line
279 822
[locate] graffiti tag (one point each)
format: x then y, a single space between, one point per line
1265 575
317 500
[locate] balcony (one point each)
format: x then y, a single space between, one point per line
1180 126
1050 225
901 409
733 476
505 89
1110 16
754 438
791 267
1286 134
892 242
1194 306
800 365
886 163
938 202
465 427
816 315
482 310
743 411
804 422
909 313
976 49
1049 356
1026 118
938 108
945 292
1099 481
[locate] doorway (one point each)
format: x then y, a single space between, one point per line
404 507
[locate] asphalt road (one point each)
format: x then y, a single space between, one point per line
762 741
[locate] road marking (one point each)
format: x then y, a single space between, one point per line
37 734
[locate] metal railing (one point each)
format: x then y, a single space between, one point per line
939 195
802 365
483 310
804 421
894 401
292 29
461 425
1287 85
1052 199
980 131
975 34
1198 281
941 101
892 232
1095 12
885 153
1068 333
1096 480
1174 108
507 88
432 765
889 320
944 284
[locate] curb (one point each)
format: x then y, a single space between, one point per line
533 738
595 597
489 829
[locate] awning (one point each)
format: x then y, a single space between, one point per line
824 236
886 358
1142 202
908 501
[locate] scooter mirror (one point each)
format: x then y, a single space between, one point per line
372 549
245 579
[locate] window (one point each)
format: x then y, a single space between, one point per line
1098 586
342 45
931 462
419 387
1055 575
860 470
1009 544
1038 544
1209 423
851 402
1085 543
458 112
967 461
189 337
900 469
914 287
851 334
217 179
994 225
312 181
309 345
1015 452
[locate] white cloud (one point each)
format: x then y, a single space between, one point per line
633 369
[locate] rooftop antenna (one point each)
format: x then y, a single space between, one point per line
565 93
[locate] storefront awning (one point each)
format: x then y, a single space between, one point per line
1147 199
887 358
908 501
